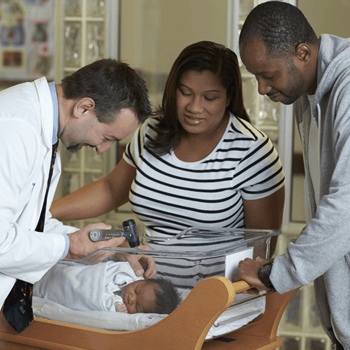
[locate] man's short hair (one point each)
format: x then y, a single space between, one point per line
281 26
113 85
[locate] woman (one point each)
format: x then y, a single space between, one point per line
197 162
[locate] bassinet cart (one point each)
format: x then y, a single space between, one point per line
184 329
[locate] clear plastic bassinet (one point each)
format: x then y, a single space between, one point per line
187 259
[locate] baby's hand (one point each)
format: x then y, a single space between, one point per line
120 308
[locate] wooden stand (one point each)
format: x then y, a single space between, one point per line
183 329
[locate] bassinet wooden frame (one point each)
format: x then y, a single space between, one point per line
184 329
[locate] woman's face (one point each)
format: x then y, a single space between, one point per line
201 102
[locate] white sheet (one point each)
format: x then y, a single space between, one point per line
114 321
85 287
89 288
118 321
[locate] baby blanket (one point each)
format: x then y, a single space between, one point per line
84 295
85 287
231 319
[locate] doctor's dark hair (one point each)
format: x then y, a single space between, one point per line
168 297
281 27
201 56
113 85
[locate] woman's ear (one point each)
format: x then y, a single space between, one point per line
229 98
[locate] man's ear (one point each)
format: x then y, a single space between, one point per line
84 108
303 53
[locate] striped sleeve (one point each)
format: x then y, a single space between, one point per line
134 148
259 173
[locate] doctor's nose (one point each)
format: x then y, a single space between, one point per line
104 146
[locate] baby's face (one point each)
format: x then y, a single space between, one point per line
139 296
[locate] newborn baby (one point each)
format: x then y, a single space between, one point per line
107 286
156 295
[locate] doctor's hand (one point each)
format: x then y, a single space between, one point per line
81 244
142 264
248 271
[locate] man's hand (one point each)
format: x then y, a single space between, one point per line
248 271
81 244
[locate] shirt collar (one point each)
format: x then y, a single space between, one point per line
53 92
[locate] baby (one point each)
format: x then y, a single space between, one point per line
107 286
156 295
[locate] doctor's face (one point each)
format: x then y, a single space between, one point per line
139 297
278 77
90 132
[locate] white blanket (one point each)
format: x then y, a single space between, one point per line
76 293
235 317
85 287
114 321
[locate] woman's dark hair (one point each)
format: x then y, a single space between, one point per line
201 56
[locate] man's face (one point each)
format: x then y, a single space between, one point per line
90 132
278 78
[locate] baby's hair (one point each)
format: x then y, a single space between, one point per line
167 296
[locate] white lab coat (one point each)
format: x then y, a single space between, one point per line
26 127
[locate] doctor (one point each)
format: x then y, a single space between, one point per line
97 105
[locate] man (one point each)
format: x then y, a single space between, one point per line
291 64
95 106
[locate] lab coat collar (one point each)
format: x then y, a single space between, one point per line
55 112
46 110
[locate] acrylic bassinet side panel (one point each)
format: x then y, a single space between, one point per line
260 334
183 329
275 306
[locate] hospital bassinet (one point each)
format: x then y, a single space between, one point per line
208 293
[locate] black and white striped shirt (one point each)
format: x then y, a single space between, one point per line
169 195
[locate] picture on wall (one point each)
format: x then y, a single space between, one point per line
39 31
12 36
27 40
13 59
41 64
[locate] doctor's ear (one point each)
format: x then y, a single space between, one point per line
84 108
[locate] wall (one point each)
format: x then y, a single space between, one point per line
331 17
153 33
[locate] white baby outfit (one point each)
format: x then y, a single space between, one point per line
86 287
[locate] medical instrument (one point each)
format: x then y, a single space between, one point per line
129 232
